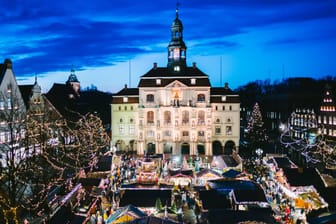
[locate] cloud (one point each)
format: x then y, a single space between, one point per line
44 36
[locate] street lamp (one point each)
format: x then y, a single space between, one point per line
259 152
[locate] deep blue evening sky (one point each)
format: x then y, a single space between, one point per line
102 39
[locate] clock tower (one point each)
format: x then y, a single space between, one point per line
177 48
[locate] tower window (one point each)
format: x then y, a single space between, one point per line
176 53
177 68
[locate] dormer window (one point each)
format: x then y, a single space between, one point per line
150 98
176 68
158 82
192 81
200 97
9 88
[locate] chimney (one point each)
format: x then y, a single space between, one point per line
125 86
8 63
194 64
226 85
155 65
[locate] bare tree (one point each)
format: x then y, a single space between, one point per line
13 155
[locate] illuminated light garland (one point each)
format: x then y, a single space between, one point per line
311 150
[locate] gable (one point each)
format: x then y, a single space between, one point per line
176 84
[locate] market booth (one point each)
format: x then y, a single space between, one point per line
148 172
203 176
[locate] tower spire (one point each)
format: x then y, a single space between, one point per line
176 48
176 10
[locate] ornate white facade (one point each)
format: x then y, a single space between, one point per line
175 109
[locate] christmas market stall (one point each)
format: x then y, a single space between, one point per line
203 176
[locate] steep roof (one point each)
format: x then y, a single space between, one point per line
167 76
3 67
127 92
58 95
26 91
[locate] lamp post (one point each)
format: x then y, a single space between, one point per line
259 153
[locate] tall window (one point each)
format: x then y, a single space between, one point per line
2 105
228 130
150 117
131 130
167 117
121 129
185 117
2 137
201 116
200 97
150 98
217 130
167 133
9 103
150 133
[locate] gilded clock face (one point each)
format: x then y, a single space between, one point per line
176 53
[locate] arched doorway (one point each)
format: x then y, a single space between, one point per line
185 148
200 149
217 148
150 148
120 145
132 146
229 147
167 148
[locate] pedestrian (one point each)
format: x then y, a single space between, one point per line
99 218
93 219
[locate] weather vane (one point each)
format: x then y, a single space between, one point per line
177 5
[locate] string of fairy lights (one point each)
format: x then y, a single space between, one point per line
305 140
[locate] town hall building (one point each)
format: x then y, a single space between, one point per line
175 109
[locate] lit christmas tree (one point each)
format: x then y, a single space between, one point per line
256 133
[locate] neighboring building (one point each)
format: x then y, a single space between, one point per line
303 124
175 109
64 96
37 103
70 100
327 116
12 111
